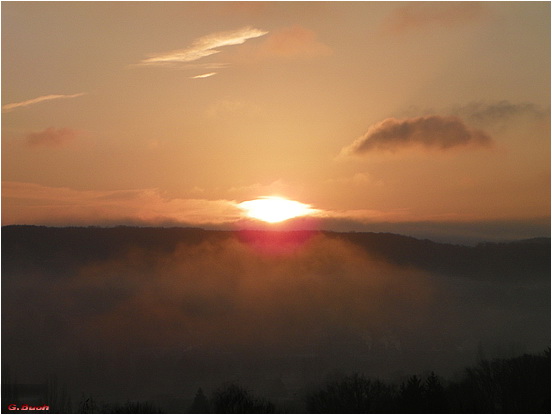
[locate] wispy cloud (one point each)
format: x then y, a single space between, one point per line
418 15
499 111
433 131
358 179
294 42
9 107
205 75
205 46
51 137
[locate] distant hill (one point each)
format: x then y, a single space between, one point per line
527 259
58 251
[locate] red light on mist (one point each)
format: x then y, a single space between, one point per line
275 242
277 238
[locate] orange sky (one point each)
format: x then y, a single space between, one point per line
369 112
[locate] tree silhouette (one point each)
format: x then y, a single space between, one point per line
88 405
352 394
232 399
412 396
131 408
200 404
91 406
516 385
435 399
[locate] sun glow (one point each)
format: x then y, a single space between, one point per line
274 209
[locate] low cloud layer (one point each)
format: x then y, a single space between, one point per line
9 107
429 132
51 137
29 203
34 204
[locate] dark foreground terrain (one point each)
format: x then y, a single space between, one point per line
139 319
515 385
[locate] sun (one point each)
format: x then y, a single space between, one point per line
273 209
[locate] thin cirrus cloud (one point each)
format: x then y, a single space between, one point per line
499 111
205 75
429 132
425 15
293 42
51 137
9 107
205 46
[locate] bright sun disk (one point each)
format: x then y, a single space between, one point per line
274 209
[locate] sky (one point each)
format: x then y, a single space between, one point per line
388 116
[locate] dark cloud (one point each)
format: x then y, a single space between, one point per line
51 137
432 132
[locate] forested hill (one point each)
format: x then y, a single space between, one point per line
58 251
527 259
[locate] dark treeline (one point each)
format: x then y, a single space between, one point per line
61 250
530 257
515 385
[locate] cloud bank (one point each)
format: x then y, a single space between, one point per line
29 203
9 107
34 204
429 132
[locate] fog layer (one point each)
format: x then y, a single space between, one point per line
273 312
